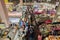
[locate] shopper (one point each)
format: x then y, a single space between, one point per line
21 23
30 33
39 37
57 4
31 36
53 12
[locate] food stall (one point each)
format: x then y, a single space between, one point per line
54 32
44 10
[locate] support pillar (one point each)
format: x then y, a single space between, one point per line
4 13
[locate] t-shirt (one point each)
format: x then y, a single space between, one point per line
53 12
26 24
57 3
21 23
39 37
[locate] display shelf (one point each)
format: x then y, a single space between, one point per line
2 26
12 34
48 4
15 14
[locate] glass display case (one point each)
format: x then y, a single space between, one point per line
14 20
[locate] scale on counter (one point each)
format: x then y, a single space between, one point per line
2 26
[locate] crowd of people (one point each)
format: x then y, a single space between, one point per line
33 29
35 25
